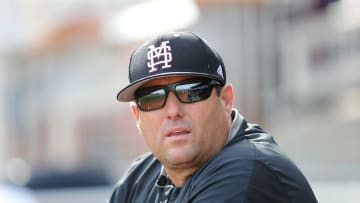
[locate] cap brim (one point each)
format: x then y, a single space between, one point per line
128 93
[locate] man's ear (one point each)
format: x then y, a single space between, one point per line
134 111
227 97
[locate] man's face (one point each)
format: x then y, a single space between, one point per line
182 135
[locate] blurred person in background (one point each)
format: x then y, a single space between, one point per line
202 149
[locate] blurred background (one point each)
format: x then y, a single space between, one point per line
64 138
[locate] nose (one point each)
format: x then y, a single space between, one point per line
173 107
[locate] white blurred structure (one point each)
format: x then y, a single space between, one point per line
140 21
11 194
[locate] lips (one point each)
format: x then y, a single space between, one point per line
173 132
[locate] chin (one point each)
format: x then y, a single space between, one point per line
175 157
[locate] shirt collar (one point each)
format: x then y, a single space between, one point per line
237 119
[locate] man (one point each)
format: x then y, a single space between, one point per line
203 150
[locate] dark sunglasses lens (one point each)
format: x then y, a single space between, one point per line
151 100
193 92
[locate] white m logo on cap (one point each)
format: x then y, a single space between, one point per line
159 57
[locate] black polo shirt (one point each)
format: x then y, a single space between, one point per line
250 168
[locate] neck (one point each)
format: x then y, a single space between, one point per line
178 176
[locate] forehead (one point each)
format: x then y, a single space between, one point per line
166 80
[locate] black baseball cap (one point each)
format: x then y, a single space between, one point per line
172 54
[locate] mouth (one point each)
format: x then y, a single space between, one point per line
176 132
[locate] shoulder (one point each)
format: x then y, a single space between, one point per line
139 177
138 165
252 170
258 148
226 176
276 177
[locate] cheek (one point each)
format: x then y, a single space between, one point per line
211 121
148 128
203 118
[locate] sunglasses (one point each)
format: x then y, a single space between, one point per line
186 91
